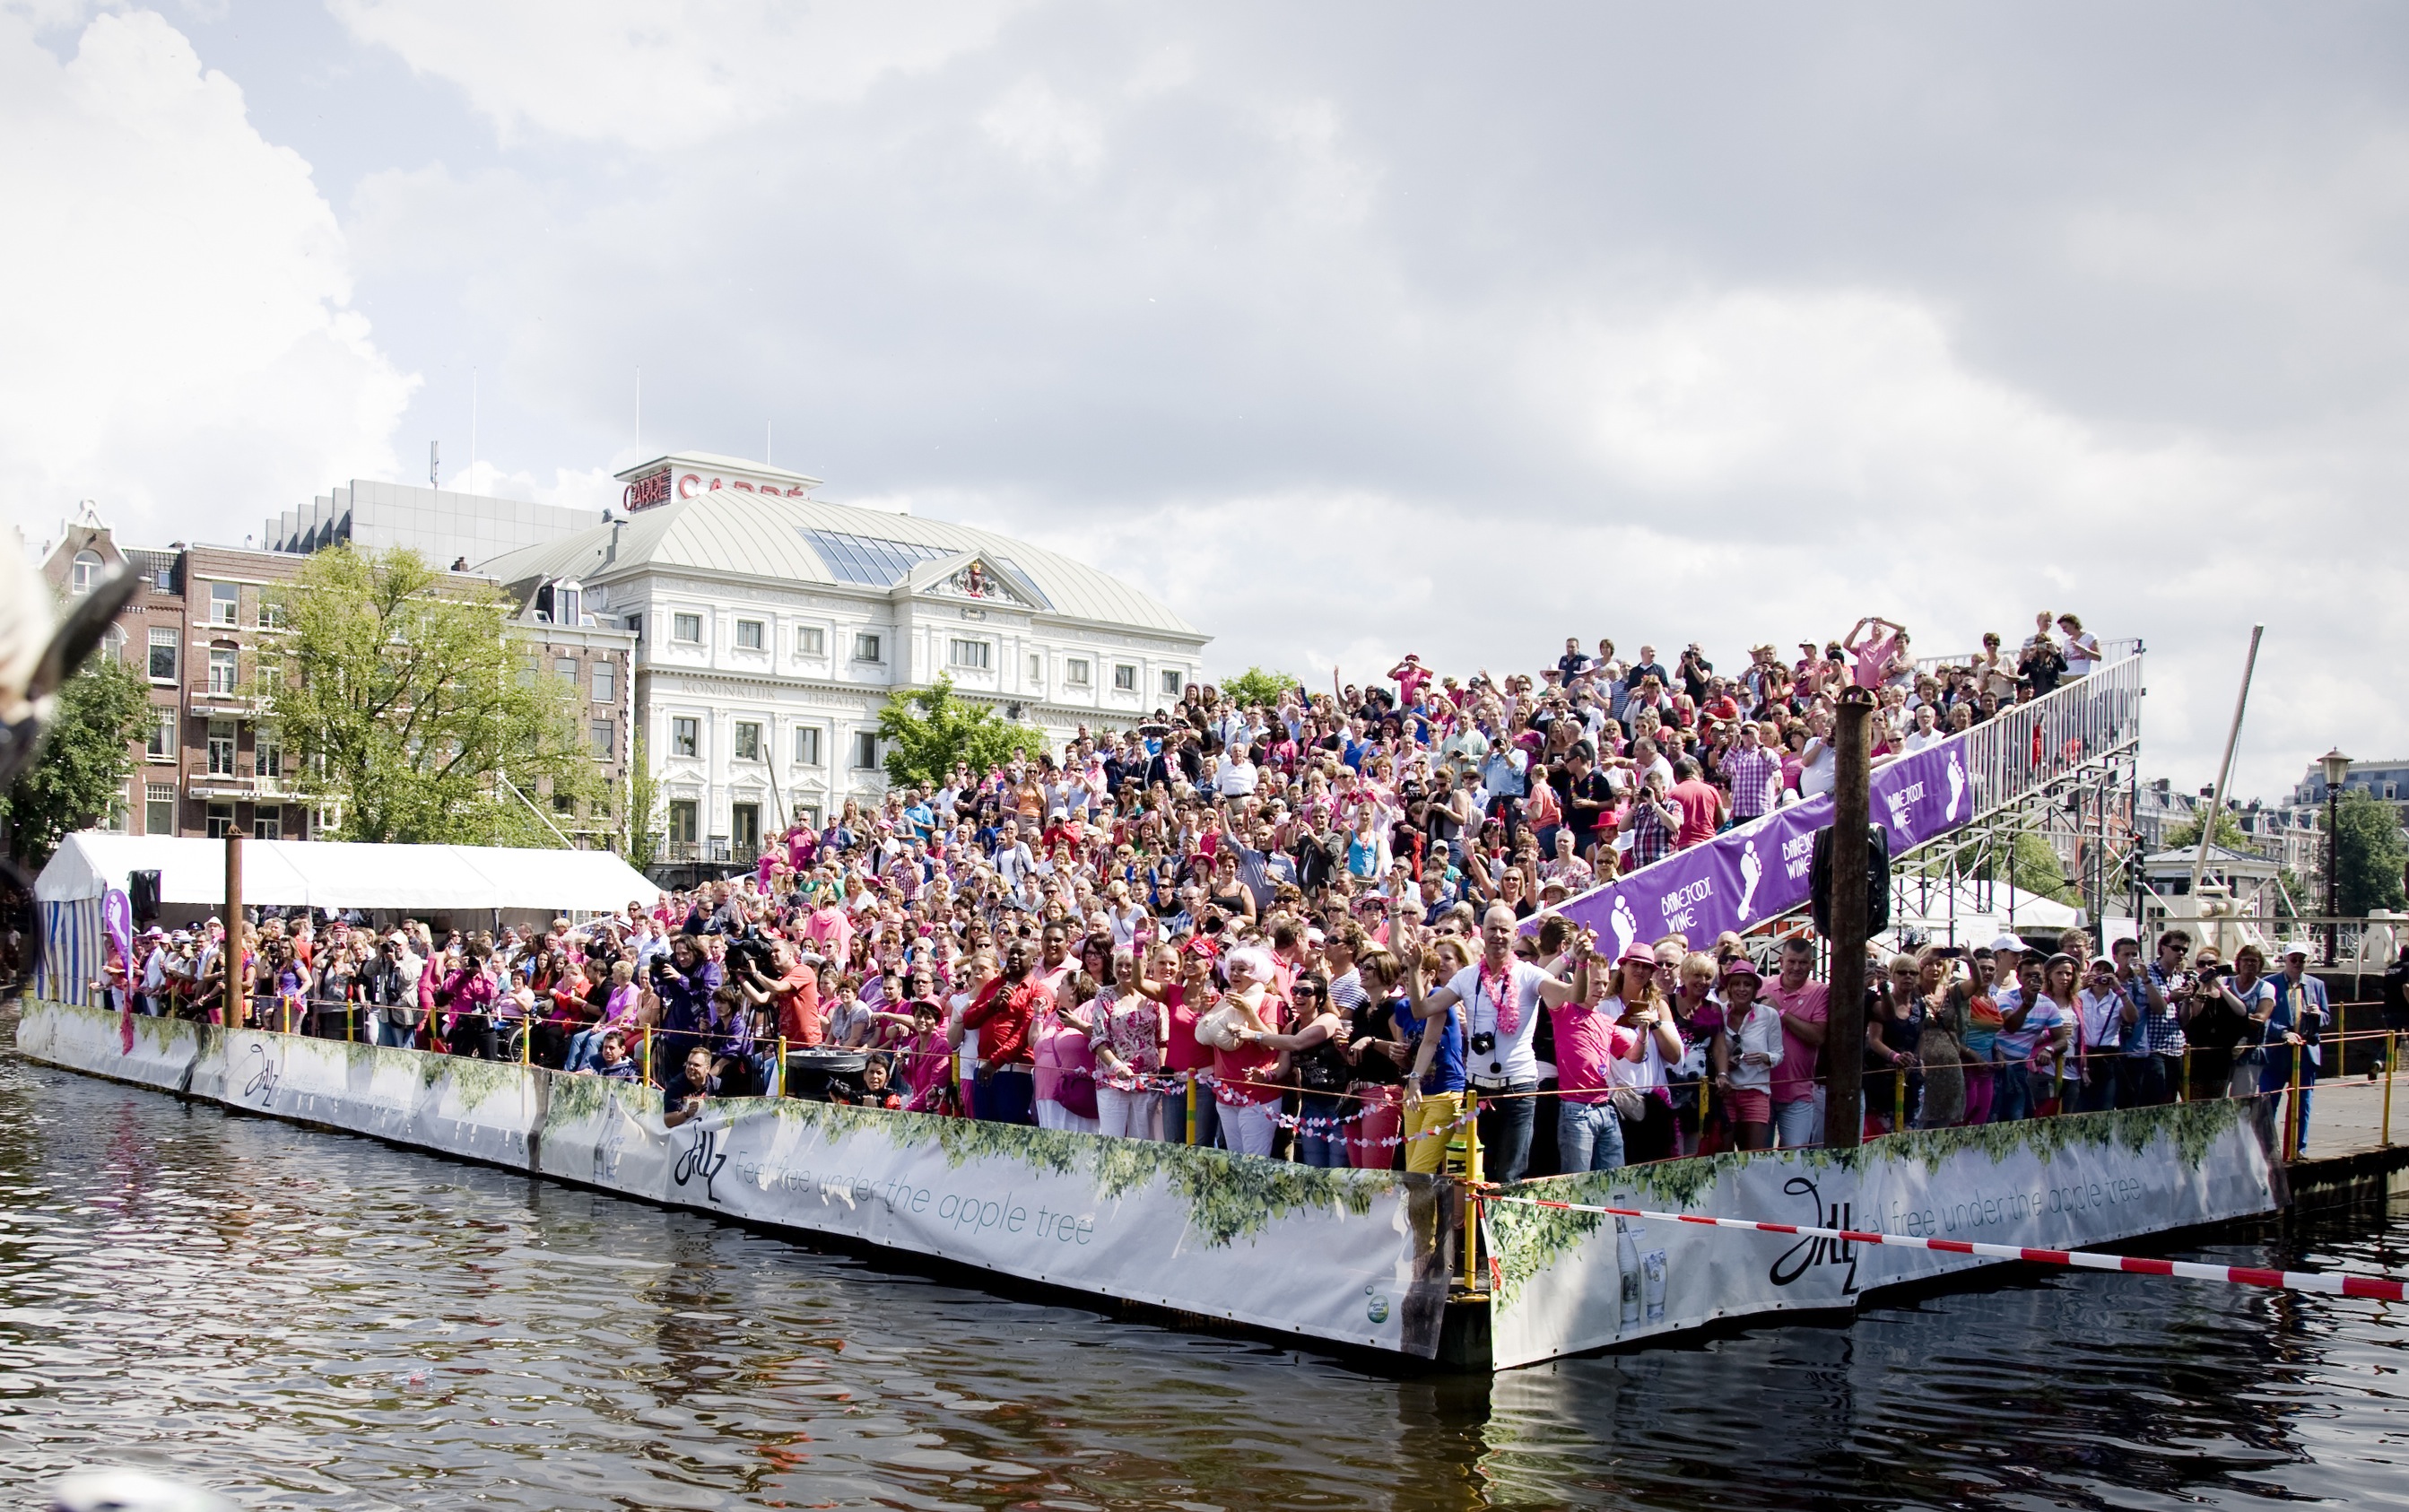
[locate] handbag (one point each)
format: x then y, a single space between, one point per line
1630 1104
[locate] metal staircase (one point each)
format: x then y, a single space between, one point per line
2061 769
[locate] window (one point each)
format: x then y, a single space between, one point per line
750 635
973 654
635 623
528 671
268 761
160 743
748 741
686 736
1037 670
681 815
1171 685
606 738
606 682
744 826
115 820
1075 671
84 573
225 604
271 615
270 682
568 605
266 825
807 746
1124 678
221 748
865 750
221 817
159 809
865 648
563 803
2389 788
686 627
112 646
811 641
222 670
565 668
163 656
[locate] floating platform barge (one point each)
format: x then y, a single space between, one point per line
1360 1260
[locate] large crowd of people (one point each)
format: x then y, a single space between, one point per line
1319 924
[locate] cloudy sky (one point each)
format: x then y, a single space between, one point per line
1347 329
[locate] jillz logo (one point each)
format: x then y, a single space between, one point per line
1807 1254
261 1086
702 1159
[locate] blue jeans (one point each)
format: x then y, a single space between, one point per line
584 1049
395 1037
1320 1137
1799 1122
1505 1131
1007 1095
1589 1136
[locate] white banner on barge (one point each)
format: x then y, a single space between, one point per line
1330 1254
1574 1281
1361 1259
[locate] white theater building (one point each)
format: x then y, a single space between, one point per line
771 627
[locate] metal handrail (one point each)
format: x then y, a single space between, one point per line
2025 747
2109 652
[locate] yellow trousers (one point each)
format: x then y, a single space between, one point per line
1425 1146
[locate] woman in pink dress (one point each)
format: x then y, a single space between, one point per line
1063 1066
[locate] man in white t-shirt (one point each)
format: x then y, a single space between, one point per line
1502 998
1236 775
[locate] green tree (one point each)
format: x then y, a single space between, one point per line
2368 853
1254 685
927 732
640 842
2032 864
415 716
2185 835
83 763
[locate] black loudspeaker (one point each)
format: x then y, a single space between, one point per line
142 888
1819 881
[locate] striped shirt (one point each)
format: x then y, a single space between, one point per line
1756 776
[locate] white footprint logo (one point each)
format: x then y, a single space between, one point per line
1751 868
1956 784
1625 928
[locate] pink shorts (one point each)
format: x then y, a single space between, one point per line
1746 1107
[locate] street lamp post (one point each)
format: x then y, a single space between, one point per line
2337 770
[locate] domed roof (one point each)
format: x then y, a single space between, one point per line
731 533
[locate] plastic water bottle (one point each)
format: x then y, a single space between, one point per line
1626 1253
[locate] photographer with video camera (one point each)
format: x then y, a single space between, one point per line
684 982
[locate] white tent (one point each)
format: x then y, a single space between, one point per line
1983 911
334 875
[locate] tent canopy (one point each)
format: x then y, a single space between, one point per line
333 874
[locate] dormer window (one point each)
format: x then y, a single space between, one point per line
567 604
84 573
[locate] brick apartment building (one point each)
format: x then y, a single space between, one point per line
210 761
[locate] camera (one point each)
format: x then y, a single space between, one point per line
750 953
1483 1042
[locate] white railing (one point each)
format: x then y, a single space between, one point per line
2110 651
2025 747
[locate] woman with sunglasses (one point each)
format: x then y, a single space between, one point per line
1314 1057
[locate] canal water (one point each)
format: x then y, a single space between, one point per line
308 1319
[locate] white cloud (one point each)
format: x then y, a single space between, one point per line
660 74
1044 130
180 343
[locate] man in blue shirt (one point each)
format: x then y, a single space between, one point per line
2297 1025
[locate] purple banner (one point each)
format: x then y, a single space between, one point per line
1743 877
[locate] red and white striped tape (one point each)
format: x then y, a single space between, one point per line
2332 1283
